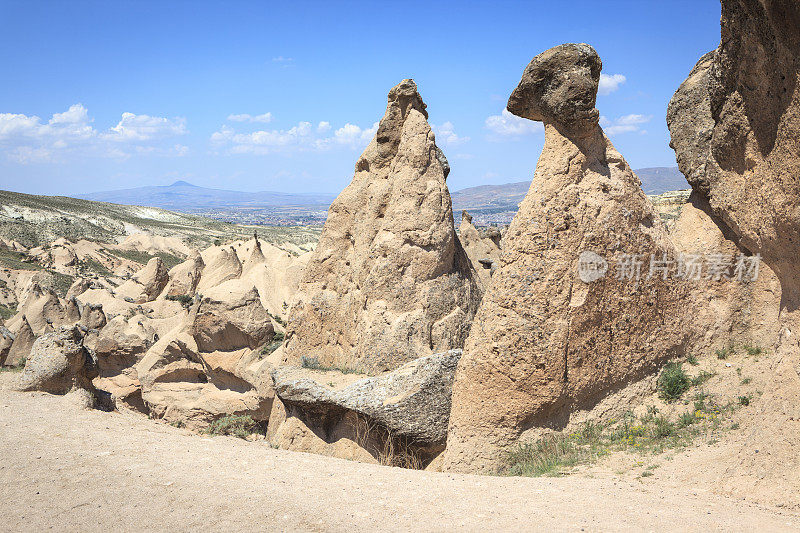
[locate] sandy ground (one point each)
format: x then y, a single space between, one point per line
64 468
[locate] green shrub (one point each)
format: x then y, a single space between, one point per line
7 312
723 353
686 419
746 381
673 382
692 360
744 400
753 350
663 427
241 426
310 362
184 299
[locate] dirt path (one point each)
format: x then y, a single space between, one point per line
64 468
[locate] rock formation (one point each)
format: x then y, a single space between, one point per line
231 317
20 348
411 403
59 364
551 337
389 281
183 278
147 283
483 252
734 124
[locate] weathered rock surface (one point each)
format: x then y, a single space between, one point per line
59 363
734 124
412 401
483 252
147 283
22 344
389 281
184 278
231 317
544 341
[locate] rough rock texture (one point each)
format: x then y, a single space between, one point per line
412 401
153 278
389 281
730 311
184 278
23 343
222 264
59 363
231 317
545 342
6 340
734 124
483 252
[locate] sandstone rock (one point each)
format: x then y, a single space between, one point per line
183 278
222 264
231 317
122 343
734 124
6 340
59 363
483 252
72 310
389 281
41 307
153 278
22 344
181 385
93 317
730 311
545 342
412 401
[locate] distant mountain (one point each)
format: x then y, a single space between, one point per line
658 180
655 180
184 196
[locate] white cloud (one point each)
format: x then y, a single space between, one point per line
282 59
610 83
625 124
446 135
25 139
508 125
244 117
145 128
302 137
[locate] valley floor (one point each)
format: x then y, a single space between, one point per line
65 468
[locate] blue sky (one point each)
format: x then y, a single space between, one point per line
283 96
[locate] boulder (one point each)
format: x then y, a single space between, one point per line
59 363
230 317
93 317
6 340
389 280
183 278
548 338
411 402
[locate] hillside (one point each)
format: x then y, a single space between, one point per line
33 220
